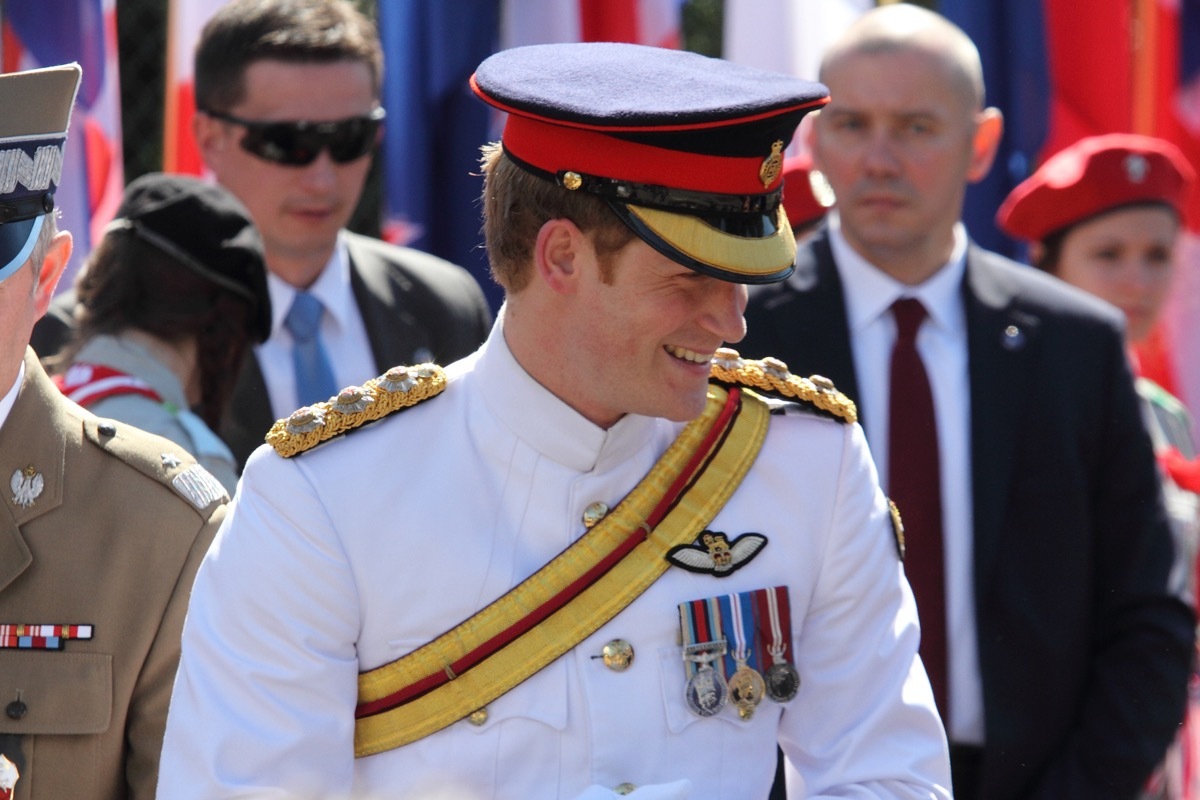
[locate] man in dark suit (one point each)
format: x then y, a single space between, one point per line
287 95
1061 655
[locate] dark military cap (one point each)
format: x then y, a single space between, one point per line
686 149
33 130
206 229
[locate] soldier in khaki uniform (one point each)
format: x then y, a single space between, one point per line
102 527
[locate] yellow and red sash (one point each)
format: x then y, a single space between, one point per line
569 598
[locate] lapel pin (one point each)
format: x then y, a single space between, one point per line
1013 338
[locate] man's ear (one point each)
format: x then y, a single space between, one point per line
211 138
57 256
989 128
556 255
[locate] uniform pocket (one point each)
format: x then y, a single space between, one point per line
57 692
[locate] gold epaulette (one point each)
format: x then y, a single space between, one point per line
355 406
772 375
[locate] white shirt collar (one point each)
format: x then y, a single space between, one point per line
545 422
6 402
332 287
870 291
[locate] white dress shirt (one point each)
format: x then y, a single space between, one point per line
942 343
343 334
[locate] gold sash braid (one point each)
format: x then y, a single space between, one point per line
587 584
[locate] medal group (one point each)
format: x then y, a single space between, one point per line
735 651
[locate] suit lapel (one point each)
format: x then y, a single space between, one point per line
394 334
1002 341
32 464
808 319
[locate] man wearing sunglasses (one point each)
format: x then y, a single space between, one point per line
287 94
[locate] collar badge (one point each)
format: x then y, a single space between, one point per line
27 485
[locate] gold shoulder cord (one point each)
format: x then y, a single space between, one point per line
353 407
772 375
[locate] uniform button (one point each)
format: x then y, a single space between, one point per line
478 717
625 788
16 709
617 655
594 513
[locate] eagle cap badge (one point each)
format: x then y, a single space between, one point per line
714 554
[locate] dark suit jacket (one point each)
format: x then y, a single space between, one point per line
1084 655
412 304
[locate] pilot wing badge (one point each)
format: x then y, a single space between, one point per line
713 554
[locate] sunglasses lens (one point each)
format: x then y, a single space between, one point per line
299 143
352 139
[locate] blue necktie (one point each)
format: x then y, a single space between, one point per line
314 375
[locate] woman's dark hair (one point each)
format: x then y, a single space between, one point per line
128 283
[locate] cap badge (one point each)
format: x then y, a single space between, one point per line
27 485
572 181
772 165
715 555
1136 168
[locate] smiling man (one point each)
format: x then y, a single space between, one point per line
1002 413
588 560
287 95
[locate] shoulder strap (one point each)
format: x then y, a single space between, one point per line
772 375
353 407
572 596
86 384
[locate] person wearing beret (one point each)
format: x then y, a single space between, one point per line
603 555
168 305
1000 408
102 526
1104 215
805 211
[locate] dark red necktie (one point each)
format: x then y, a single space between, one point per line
914 483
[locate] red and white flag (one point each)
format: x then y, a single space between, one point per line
185 20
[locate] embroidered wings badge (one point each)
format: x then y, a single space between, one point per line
715 555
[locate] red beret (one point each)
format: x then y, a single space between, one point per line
799 202
1096 174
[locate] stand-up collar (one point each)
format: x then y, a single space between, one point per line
546 423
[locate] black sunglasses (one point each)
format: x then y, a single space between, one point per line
299 143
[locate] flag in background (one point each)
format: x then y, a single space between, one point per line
1011 38
52 32
435 125
185 20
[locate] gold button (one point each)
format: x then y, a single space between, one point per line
617 655
625 788
594 513
478 717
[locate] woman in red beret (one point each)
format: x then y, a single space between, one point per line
1104 215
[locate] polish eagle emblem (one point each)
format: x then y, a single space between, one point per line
26 484
714 554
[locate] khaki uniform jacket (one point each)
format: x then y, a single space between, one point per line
112 539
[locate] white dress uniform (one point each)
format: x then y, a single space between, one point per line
355 553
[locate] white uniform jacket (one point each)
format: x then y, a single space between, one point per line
355 553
